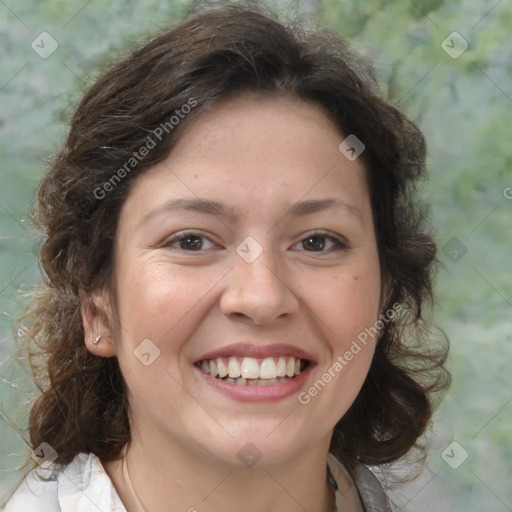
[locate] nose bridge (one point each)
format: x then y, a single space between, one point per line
262 272
257 287
258 267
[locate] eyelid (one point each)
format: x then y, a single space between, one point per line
341 242
181 234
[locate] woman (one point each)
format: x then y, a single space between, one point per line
236 276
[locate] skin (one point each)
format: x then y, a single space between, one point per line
258 156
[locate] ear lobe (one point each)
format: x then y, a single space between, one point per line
97 322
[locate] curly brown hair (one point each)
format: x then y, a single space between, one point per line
214 55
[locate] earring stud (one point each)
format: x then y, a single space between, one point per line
97 340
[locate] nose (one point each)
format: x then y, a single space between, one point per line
258 291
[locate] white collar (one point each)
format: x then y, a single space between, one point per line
84 486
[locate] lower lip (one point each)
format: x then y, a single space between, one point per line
271 393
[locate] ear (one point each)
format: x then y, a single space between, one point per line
98 322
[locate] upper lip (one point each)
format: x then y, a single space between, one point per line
258 351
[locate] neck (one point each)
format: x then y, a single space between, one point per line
193 482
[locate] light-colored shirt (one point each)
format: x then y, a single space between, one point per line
84 486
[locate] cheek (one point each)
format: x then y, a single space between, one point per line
347 306
346 303
160 301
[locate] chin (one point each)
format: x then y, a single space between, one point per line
248 448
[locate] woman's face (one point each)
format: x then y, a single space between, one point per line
253 242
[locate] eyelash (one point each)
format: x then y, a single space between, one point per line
338 243
182 235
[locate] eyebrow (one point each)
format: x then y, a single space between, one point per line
204 206
215 208
316 205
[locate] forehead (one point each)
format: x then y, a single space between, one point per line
257 152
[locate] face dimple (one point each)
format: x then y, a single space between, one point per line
254 178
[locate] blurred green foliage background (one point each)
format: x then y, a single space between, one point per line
462 104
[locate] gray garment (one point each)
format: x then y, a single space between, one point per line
84 485
359 479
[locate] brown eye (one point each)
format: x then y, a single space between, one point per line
322 242
314 243
191 242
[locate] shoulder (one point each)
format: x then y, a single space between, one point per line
75 488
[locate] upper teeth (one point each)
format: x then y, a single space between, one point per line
251 368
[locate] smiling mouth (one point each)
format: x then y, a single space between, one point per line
249 371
